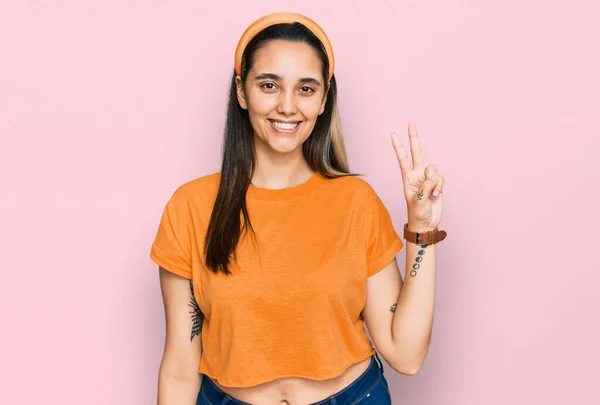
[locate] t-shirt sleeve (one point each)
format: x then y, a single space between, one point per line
383 242
171 249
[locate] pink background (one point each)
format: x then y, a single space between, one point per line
106 108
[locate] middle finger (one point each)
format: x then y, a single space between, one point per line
415 146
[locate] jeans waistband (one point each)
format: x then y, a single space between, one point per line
371 376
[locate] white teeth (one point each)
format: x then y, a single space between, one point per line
284 125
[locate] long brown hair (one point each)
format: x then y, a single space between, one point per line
323 150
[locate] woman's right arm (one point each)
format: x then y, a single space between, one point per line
178 379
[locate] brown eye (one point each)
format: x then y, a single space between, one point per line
306 89
268 84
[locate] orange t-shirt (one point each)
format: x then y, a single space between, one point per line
292 307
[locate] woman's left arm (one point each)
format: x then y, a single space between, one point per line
399 314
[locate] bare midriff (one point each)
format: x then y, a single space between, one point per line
296 391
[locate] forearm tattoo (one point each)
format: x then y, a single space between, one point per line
197 315
393 308
418 260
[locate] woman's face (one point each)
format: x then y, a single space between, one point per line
284 95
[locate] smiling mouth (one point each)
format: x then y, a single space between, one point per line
285 127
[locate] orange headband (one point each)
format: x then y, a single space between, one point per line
278 18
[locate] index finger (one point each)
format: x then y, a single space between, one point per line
403 160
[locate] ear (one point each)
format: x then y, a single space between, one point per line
241 94
324 99
323 105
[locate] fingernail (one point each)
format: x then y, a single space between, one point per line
435 193
435 177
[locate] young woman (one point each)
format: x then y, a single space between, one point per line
269 268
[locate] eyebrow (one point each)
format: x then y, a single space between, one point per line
273 76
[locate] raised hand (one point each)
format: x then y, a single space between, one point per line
422 186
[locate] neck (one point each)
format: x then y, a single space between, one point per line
278 170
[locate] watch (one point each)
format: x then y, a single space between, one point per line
424 238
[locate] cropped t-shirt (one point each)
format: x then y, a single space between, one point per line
292 307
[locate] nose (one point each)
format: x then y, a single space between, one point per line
287 103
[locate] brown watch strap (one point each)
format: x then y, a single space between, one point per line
424 238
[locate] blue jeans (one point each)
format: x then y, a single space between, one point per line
370 388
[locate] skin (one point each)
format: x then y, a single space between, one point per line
178 377
280 162
398 314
